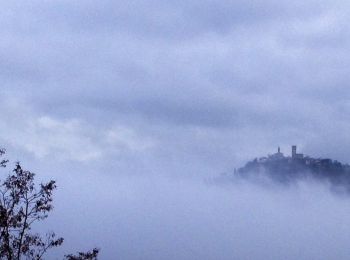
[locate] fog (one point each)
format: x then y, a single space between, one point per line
158 217
136 107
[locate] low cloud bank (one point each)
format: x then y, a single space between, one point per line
153 217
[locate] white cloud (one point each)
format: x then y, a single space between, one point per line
63 139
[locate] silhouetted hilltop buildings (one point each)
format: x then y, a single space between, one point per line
286 168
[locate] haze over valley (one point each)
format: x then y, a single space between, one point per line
142 110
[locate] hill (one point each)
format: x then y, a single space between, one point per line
289 168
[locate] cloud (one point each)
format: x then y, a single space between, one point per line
239 72
73 139
106 91
154 217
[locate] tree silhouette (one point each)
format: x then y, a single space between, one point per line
23 203
81 256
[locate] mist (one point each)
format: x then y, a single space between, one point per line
136 107
159 217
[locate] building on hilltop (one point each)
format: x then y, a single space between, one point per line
296 155
277 155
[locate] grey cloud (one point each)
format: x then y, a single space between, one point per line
180 18
155 218
112 97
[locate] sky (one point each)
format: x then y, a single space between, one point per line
119 99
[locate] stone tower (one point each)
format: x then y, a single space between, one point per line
294 151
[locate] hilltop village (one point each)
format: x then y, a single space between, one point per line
285 168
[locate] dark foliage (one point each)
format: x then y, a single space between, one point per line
23 203
288 169
91 255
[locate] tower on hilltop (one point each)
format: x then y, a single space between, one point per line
294 151
296 155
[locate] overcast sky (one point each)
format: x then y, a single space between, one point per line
104 89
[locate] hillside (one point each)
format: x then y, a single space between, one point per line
288 168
